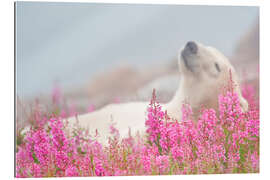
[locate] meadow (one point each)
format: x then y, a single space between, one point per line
222 141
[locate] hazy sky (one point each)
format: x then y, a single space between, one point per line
69 42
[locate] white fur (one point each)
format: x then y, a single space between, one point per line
199 87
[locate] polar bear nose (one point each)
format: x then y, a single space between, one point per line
192 47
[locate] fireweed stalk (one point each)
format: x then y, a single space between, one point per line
226 141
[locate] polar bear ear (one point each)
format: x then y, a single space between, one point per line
244 104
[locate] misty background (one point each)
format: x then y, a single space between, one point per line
69 43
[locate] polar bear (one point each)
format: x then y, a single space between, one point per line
203 72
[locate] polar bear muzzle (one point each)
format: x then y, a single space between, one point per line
190 50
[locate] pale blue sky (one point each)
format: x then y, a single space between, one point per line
69 42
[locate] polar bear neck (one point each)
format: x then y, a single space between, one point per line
174 106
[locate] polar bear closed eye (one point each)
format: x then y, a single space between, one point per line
203 72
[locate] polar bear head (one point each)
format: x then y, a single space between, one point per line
204 71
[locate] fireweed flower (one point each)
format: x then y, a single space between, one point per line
91 108
98 167
56 95
162 162
226 141
146 161
71 171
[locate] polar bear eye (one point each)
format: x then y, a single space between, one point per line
217 67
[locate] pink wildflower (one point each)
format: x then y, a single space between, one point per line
162 162
91 108
71 171
99 170
56 95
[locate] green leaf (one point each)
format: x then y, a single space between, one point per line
211 170
79 149
35 158
242 152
